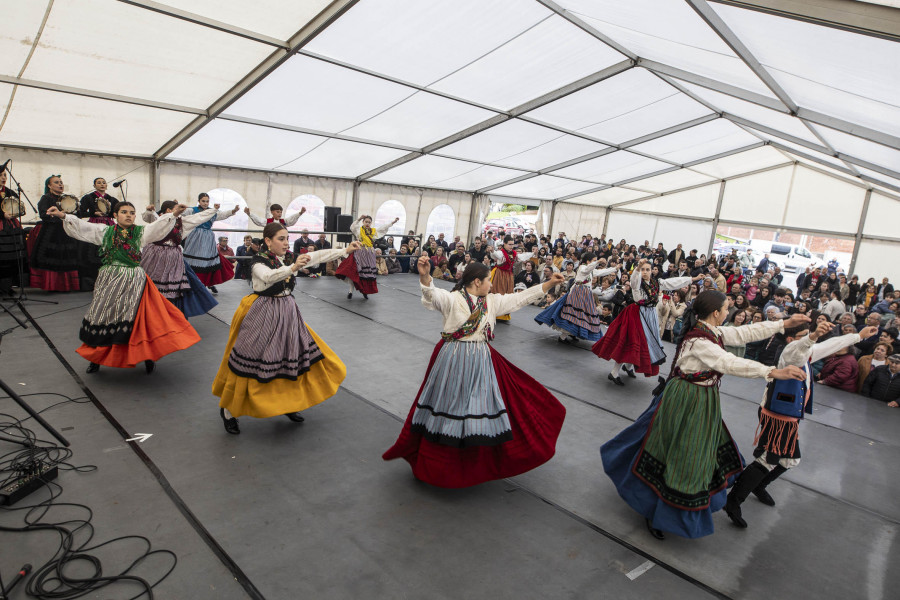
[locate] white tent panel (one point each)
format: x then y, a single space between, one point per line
820 154
56 120
622 108
880 177
668 32
759 198
882 217
439 172
305 92
185 182
140 53
520 144
613 168
608 196
630 225
743 162
668 230
420 120
6 91
699 202
576 221
20 24
822 202
422 42
341 158
697 142
824 68
877 259
542 59
674 180
842 175
856 147
274 18
753 112
544 187
242 145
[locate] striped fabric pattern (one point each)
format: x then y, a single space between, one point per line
365 263
460 404
117 295
273 342
650 323
200 251
165 266
580 309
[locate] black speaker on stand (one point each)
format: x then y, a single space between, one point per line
343 225
331 217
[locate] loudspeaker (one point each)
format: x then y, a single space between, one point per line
331 217
343 225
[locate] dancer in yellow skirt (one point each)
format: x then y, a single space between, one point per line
275 364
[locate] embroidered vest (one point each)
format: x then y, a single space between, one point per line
271 261
510 261
478 310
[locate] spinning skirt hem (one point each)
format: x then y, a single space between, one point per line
348 270
625 341
556 314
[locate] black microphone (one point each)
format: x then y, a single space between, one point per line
3 168
117 183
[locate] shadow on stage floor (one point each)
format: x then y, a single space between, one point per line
311 511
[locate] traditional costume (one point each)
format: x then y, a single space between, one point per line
575 312
201 252
52 255
673 464
288 221
476 416
13 255
164 263
89 262
777 436
503 281
633 336
274 363
360 268
129 321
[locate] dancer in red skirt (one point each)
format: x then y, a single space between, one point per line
476 417
360 268
632 340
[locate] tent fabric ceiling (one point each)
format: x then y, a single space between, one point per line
590 101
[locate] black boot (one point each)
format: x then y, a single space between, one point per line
746 482
93 368
760 491
657 533
148 366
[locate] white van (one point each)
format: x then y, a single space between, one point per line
790 257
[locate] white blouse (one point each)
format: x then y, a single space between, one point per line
665 285
520 257
289 221
455 309
188 222
93 233
700 354
264 277
588 271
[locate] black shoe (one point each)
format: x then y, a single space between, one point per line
562 340
231 425
733 510
93 368
365 296
657 533
213 289
295 417
350 296
764 497
760 490
615 380
148 366
629 372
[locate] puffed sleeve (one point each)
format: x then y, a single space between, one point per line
715 358
434 298
291 220
738 336
256 220
91 233
157 230
324 256
189 222
674 283
149 216
506 303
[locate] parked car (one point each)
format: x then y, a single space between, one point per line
504 226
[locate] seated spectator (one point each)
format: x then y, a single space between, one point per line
883 383
393 263
870 361
867 345
528 276
403 258
839 371
847 330
606 315
380 264
834 307
889 336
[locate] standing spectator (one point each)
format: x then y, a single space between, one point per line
840 371
853 294
870 361
884 288
302 243
883 383
676 255
739 318
443 243
242 270
834 307
763 266
867 345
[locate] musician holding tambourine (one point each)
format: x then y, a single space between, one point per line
12 239
53 255
97 207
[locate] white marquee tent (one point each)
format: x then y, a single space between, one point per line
645 119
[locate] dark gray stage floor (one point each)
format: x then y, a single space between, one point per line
312 511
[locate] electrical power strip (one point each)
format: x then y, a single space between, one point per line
18 489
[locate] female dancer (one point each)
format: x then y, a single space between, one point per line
164 263
476 417
673 464
128 321
13 259
96 207
575 315
360 268
53 255
502 279
274 363
632 339
201 250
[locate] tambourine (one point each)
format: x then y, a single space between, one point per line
68 204
12 206
103 205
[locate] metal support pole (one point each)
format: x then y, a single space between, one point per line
715 225
354 203
859 231
552 217
473 225
154 183
606 220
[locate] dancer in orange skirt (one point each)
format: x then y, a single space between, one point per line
129 321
